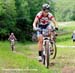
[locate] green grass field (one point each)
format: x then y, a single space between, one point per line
19 59
67 28
26 56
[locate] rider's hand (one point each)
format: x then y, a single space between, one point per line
36 29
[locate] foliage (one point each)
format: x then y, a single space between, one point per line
18 15
7 20
65 10
27 11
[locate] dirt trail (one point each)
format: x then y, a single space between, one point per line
65 69
68 69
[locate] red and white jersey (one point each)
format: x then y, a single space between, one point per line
12 37
44 19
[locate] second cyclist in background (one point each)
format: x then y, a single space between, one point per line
12 40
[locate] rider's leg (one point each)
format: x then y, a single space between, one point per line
40 44
52 33
12 46
50 27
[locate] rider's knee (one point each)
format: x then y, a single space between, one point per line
40 39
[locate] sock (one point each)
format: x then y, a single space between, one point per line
40 53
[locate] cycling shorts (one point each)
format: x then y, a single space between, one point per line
47 26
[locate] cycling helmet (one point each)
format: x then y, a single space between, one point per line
12 33
46 7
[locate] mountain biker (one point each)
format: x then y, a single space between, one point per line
42 21
12 40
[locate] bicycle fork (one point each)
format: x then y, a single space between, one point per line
44 48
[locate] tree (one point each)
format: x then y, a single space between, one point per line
65 10
17 16
9 14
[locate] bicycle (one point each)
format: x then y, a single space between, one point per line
53 46
48 45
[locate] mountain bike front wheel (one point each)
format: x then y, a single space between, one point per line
47 54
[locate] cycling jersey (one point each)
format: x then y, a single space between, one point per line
12 38
44 19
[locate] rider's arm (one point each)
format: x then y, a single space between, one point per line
54 22
51 17
14 38
35 22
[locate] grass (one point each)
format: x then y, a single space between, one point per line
27 60
67 28
65 40
26 55
12 60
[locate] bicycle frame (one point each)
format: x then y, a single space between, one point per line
46 48
45 39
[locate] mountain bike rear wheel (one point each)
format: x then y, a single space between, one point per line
54 50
